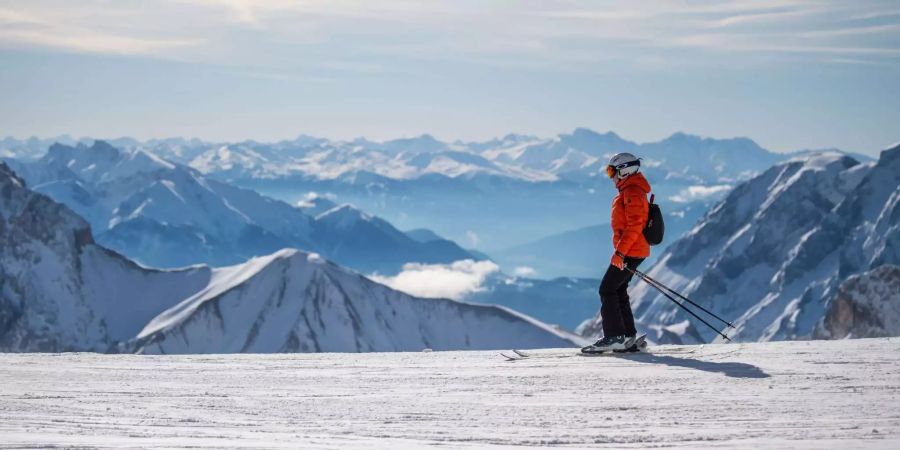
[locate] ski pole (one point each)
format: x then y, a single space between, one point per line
641 275
644 275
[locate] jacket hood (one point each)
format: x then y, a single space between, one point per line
636 180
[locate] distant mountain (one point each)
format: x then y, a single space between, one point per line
773 253
506 192
166 214
563 301
585 252
63 292
372 244
314 205
709 161
493 195
423 235
33 147
568 155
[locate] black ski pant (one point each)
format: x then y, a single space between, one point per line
615 307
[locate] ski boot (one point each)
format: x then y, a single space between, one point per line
608 343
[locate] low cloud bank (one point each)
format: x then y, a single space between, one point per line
454 280
694 193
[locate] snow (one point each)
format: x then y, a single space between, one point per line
343 217
220 281
292 301
801 395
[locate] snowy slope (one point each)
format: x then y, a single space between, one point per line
59 291
293 301
785 395
771 255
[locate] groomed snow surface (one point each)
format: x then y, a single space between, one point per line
811 395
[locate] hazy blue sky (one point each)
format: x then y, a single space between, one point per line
789 74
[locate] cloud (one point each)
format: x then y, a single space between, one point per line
454 280
91 42
280 39
765 17
524 271
251 12
694 193
40 28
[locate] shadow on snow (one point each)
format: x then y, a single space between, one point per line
730 369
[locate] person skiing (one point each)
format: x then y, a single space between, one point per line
629 217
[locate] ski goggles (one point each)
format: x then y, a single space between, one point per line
612 170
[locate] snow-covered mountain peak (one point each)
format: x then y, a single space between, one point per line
225 158
101 162
343 216
224 279
8 177
295 301
890 155
682 138
36 217
60 290
587 133
514 138
314 204
821 160
98 150
425 143
815 175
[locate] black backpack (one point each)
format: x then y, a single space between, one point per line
655 228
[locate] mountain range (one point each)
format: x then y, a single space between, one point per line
499 196
165 214
168 215
61 291
784 250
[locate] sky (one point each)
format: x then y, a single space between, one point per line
794 74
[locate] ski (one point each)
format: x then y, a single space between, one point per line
645 351
518 355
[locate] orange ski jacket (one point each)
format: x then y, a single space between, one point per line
629 216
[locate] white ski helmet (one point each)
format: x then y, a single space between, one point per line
622 165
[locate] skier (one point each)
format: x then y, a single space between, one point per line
629 217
